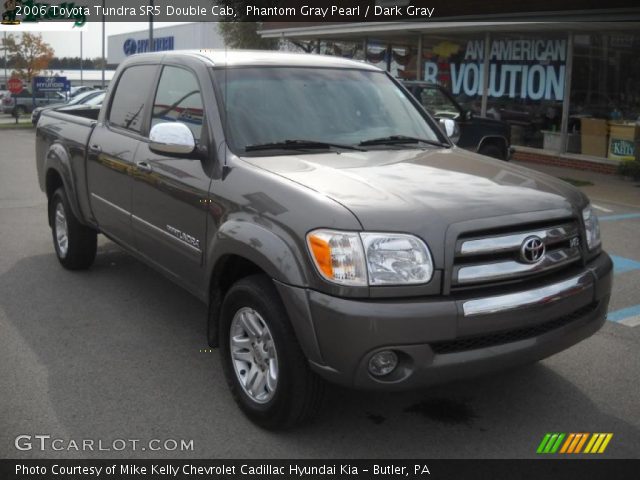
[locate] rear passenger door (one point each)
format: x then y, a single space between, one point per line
170 193
112 148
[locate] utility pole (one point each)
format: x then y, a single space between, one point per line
151 28
104 60
81 72
6 79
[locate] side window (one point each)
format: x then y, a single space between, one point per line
127 108
178 99
437 103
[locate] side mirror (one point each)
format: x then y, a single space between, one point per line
450 128
173 138
468 115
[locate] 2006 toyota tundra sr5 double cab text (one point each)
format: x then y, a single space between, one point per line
331 226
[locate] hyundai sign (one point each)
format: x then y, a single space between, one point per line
50 84
132 46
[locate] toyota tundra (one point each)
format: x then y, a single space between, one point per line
331 226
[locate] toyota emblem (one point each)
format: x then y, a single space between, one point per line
532 249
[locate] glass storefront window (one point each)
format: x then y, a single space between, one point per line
526 82
398 56
526 87
346 49
444 58
605 94
378 53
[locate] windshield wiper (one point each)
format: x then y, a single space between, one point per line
401 139
299 145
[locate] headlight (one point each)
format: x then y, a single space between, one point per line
396 259
592 227
349 258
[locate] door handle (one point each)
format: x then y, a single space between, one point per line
143 166
95 148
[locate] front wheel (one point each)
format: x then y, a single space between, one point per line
266 370
75 244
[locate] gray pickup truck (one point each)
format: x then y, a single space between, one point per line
332 228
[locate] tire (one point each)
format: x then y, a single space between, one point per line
296 394
74 243
492 150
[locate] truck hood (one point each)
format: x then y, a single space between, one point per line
423 192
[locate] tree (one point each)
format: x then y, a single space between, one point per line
241 34
29 56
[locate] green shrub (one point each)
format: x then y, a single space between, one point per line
630 168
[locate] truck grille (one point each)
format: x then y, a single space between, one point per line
498 338
487 258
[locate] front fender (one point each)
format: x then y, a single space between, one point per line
264 245
280 258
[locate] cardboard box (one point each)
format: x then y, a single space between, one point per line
623 141
593 137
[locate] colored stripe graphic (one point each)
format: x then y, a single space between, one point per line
543 443
581 443
568 442
598 442
550 443
572 443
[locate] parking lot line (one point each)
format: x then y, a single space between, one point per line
598 207
621 216
629 316
631 321
622 264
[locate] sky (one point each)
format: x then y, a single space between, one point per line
67 44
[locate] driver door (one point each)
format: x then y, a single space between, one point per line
170 192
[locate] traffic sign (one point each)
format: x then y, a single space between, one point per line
50 84
15 85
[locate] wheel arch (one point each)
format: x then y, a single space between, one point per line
57 169
243 249
497 140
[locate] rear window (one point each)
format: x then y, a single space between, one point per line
130 97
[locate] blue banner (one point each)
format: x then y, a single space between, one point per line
50 84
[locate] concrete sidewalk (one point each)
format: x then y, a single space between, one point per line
606 188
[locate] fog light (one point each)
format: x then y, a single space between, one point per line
383 363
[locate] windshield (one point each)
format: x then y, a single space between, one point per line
79 98
96 99
336 106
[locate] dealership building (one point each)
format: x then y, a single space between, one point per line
570 90
176 37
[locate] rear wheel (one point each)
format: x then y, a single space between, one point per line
266 370
75 244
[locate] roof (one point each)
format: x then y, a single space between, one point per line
264 58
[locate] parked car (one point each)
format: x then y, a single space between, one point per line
73 91
81 98
24 102
483 135
333 230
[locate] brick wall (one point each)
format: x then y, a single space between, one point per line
562 161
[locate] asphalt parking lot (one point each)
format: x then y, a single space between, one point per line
119 352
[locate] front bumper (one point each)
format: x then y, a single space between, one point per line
446 338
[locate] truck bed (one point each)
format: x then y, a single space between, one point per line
62 138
